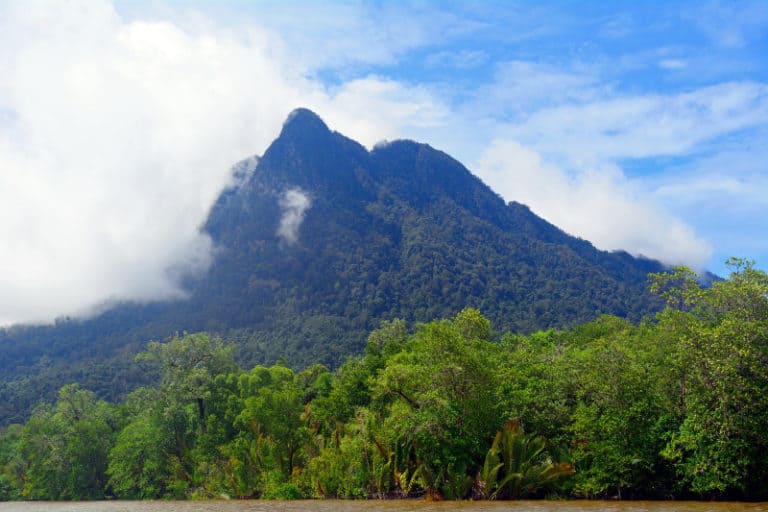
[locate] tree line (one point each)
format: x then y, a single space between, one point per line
671 407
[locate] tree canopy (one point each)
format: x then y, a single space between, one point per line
671 407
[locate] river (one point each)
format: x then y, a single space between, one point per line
382 506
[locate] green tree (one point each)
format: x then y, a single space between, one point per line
65 447
189 365
146 460
536 381
11 465
442 413
273 410
624 411
156 453
723 330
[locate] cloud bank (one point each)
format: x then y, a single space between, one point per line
644 125
564 161
597 204
117 136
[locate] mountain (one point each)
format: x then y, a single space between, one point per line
321 240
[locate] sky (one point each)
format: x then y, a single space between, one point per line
640 126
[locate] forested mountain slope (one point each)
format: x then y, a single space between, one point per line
321 240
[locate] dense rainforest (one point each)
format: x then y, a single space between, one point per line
400 231
670 407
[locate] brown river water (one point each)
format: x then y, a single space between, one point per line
382 506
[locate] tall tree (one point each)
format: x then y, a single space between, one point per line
723 329
66 447
189 365
443 411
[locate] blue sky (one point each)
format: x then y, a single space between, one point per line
636 125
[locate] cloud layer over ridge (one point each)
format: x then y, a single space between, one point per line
119 124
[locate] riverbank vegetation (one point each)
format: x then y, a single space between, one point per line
672 407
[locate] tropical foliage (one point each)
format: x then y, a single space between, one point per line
670 407
403 231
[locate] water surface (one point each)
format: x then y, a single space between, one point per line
382 506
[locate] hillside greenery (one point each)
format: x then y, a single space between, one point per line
673 407
402 231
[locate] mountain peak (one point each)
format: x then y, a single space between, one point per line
303 121
404 231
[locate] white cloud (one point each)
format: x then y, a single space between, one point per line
372 109
562 157
731 25
464 59
726 194
116 137
598 204
121 137
644 126
673 64
316 36
293 205
565 166
527 85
